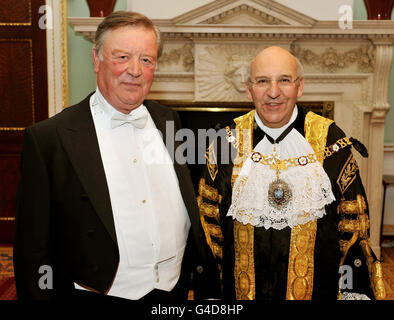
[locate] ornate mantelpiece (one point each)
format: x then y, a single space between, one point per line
207 52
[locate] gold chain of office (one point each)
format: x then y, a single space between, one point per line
276 164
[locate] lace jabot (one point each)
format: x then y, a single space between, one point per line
309 184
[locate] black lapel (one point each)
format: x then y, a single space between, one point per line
79 139
299 122
159 115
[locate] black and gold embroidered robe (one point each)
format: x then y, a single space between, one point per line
305 262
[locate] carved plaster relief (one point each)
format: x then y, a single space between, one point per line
384 54
221 71
177 59
331 60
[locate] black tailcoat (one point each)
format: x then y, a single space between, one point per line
64 217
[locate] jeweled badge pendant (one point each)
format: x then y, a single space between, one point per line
279 194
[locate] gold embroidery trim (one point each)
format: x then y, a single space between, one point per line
300 269
244 273
230 138
347 174
209 192
210 229
377 281
211 161
244 132
359 227
345 245
302 241
353 206
375 272
209 210
217 250
214 230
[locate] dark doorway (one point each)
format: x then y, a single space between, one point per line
24 94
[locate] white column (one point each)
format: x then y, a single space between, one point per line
57 57
380 106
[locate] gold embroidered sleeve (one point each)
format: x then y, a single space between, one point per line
208 201
375 271
355 221
209 192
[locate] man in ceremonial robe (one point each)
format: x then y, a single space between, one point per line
287 216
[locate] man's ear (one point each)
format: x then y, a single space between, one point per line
248 92
301 87
96 60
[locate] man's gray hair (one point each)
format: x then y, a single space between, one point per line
118 19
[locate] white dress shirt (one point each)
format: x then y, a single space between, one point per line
151 219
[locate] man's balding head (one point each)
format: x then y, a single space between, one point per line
276 82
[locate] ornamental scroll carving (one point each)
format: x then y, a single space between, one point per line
184 55
222 70
332 61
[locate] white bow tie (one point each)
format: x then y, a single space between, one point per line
137 120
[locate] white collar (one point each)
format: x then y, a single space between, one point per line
109 109
276 132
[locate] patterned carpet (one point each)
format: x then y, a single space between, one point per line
7 285
388 270
8 292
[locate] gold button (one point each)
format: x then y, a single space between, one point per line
143 201
135 160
